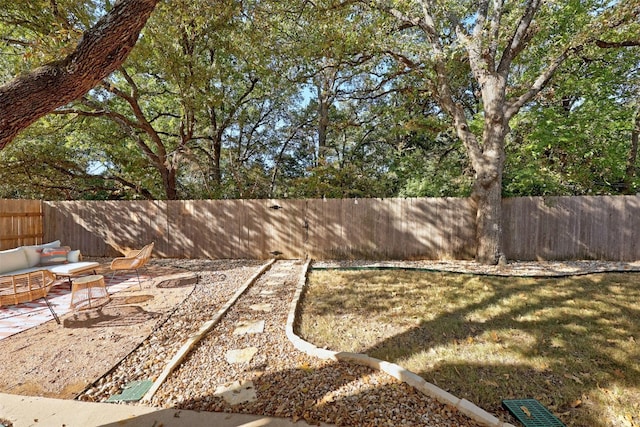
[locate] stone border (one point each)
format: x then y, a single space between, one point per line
204 329
464 406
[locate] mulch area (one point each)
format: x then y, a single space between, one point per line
512 268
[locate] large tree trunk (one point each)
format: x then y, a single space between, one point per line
487 195
487 189
102 50
487 160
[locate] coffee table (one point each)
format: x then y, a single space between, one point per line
74 269
88 292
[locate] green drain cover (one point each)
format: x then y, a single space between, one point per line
132 392
531 413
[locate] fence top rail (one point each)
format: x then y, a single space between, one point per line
20 214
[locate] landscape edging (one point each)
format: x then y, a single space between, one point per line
463 405
198 335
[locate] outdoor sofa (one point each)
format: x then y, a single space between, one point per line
59 260
27 273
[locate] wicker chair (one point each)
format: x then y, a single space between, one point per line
133 260
19 288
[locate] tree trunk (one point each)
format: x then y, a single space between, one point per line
630 172
323 120
488 164
488 200
169 183
325 81
215 171
102 50
214 151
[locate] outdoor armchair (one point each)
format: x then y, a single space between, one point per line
133 260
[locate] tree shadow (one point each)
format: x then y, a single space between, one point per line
110 316
336 393
576 326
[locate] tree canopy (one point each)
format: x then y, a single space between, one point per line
255 99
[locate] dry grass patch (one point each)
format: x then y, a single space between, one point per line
569 342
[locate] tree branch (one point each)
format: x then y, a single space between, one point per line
514 106
520 37
22 43
142 123
101 50
613 45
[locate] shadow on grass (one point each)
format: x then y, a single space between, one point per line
569 342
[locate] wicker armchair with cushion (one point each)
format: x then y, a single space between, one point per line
133 260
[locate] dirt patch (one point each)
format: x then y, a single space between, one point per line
62 360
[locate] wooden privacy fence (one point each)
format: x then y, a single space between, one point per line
564 228
599 227
20 223
259 229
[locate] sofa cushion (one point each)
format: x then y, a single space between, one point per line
54 256
13 259
73 268
61 269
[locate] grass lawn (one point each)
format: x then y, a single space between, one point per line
572 343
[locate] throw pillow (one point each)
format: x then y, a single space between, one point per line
33 252
54 244
52 256
73 256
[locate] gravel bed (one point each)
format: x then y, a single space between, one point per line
217 281
289 383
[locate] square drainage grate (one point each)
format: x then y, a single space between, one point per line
132 392
531 413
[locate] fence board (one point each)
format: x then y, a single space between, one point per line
323 220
